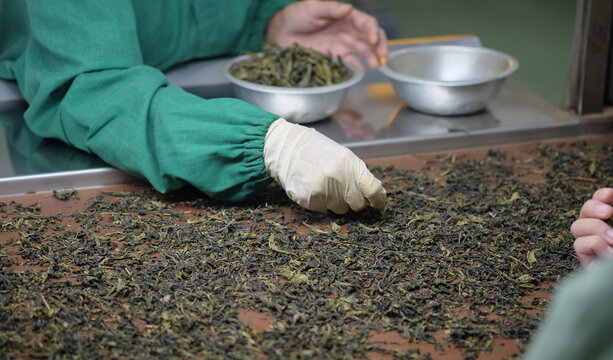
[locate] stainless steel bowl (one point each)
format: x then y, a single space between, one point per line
448 79
300 105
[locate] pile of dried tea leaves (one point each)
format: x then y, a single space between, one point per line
292 66
459 252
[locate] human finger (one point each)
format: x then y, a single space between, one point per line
315 202
591 226
596 209
328 9
353 60
605 195
382 49
355 196
373 190
360 47
587 247
338 189
356 200
365 24
337 204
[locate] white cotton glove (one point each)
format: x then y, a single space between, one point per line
318 173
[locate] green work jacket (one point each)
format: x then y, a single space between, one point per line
579 322
91 72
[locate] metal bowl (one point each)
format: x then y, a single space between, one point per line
448 79
300 105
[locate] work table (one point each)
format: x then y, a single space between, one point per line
461 263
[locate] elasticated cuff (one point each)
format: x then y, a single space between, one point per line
216 145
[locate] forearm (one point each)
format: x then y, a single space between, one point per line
215 145
134 121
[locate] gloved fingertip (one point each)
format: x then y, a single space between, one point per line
378 200
339 208
340 211
316 204
336 204
357 201
373 190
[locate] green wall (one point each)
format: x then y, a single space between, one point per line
538 33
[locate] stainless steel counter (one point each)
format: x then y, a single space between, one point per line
373 122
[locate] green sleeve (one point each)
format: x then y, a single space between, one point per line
579 323
172 32
83 76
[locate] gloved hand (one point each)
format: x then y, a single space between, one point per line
318 173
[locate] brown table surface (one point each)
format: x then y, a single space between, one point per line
46 204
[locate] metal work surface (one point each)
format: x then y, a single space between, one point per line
372 121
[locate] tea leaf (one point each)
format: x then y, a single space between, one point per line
293 66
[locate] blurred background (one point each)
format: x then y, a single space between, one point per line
538 33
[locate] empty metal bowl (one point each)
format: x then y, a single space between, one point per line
448 79
300 105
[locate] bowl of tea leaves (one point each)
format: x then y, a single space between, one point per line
297 83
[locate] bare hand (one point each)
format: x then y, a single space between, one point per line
593 237
329 26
